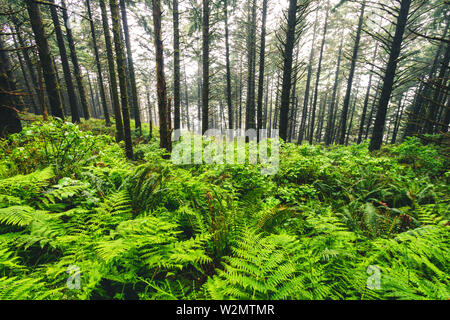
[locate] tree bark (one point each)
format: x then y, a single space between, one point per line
65 64
301 132
164 109
29 86
435 102
366 99
287 68
122 77
9 117
262 55
76 65
343 126
29 64
49 73
205 63
377 135
319 69
99 66
176 66
112 73
398 118
330 127
227 57
131 72
250 116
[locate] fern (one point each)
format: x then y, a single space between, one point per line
27 186
20 216
415 264
15 288
265 268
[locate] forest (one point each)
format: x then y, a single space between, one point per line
136 136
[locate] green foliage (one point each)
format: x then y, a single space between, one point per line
60 144
148 229
424 158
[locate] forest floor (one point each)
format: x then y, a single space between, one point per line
80 221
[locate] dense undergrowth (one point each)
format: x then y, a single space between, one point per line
327 224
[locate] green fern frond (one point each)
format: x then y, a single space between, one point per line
27 186
15 288
20 216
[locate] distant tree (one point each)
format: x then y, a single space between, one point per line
228 68
65 64
319 69
134 93
333 105
9 104
262 55
75 63
302 129
98 64
296 16
205 64
112 73
344 115
250 116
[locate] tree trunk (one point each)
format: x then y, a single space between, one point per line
29 86
250 116
188 122
150 121
112 73
398 118
319 68
9 117
302 128
132 76
343 126
205 63
423 91
227 56
122 77
435 102
370 118
164 109
330 127
76 65
176 66
99 66
287 68
65 64
49 73
377 135
29 64
293 100
262 54
199 96
349 131
239 124
366 99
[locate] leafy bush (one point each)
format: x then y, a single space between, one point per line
57 143
421 157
